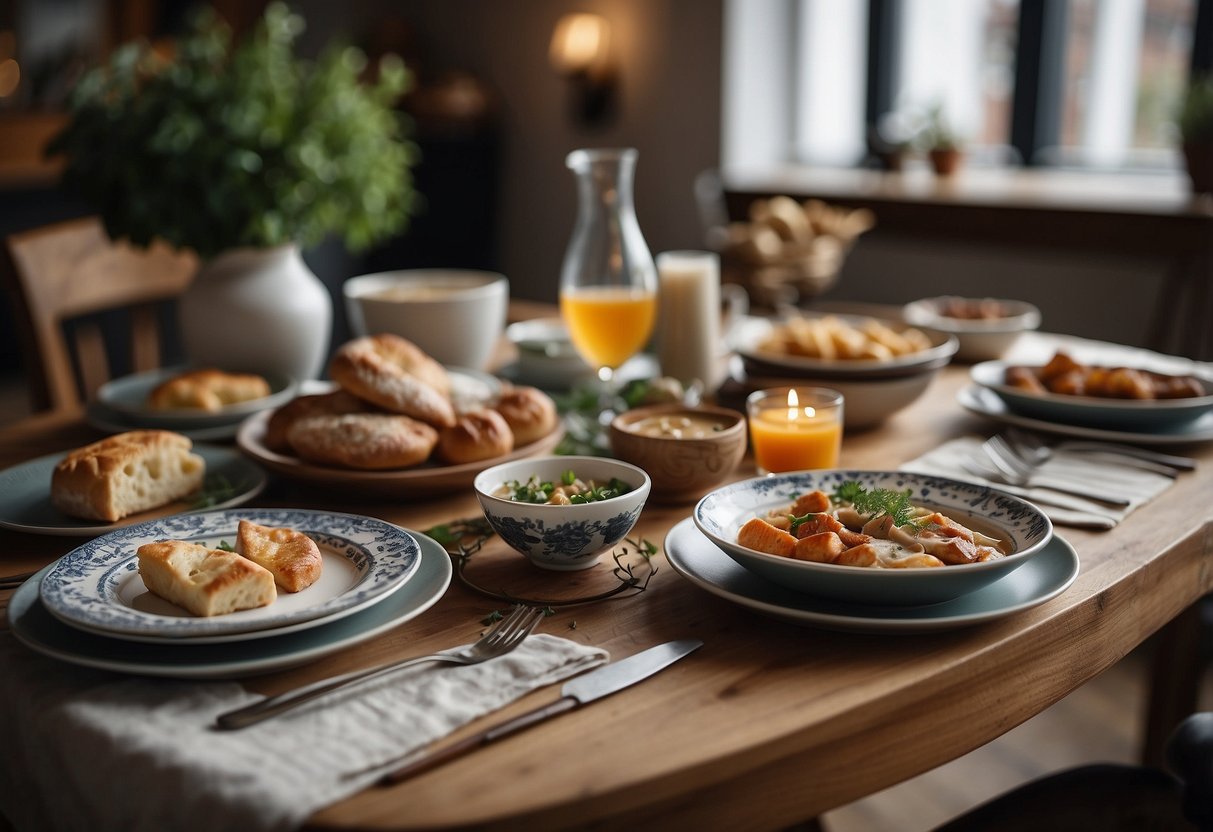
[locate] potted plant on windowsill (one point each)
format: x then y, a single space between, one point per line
244 153
1196 131
940 142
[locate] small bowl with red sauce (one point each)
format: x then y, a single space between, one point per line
986 328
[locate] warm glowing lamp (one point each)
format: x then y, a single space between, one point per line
580 51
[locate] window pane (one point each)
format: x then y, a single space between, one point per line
830 75
960 55
1126 65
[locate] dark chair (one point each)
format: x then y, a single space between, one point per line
1110 798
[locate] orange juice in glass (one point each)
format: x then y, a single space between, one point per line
608 324
795 428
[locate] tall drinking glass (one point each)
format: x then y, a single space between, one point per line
608 284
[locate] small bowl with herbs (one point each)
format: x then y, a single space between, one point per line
562 512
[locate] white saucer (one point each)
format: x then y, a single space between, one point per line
698 560
985 402
36 628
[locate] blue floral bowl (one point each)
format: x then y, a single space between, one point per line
562 537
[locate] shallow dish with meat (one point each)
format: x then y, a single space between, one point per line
873 537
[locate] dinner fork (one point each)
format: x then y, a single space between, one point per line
1018 471
505 635
1032 448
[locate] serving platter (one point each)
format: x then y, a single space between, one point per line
697 559
128 396
1091 411
751 331
25 494
425 480
35 627
97 587
985 402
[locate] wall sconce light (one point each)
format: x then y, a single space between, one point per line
580 51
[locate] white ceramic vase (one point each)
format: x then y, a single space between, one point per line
257 310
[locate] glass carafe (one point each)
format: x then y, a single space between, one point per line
608 284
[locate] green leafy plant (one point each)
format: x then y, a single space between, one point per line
231 144
1196 111
936 132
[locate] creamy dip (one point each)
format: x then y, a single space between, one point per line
679 425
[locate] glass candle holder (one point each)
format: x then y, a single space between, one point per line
795 428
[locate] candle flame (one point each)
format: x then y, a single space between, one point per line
793 405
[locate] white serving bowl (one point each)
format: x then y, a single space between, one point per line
455 315
546 356
721 513
979 339
562 537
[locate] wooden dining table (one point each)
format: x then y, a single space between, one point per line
769 723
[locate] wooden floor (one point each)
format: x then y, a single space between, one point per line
1099 722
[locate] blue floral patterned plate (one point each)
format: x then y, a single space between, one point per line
720 515
97 586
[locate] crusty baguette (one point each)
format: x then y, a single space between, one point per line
204 581
125 474
208 389
291 556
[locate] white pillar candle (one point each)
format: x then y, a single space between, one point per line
688 329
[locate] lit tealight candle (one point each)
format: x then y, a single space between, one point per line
795 429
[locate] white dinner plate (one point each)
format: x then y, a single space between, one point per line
986 403
25 494
111 421
694 557
35 627
1092 411
97 586
128 396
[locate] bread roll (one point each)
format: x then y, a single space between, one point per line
395 374
370 441
208 389
324 404
530 413
204 581
476 435
125 474
291 556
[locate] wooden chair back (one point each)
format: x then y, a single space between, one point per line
61 272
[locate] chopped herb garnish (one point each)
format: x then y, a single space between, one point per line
539 492
225 546
876 502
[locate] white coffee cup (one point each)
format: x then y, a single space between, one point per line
456 315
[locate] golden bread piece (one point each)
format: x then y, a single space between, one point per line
530 413
125 474
476 435
207 389
204 581
363 440
324 404
396 375
291 556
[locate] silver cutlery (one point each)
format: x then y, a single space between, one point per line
584 689
1087 513
1017 471
505 635
1034 449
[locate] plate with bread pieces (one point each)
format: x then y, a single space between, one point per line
229 575
124 479
32 625
194 396
398 423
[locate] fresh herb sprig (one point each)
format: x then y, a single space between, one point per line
539 491
216 489
876 502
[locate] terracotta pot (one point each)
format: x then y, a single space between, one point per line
946 161
1199 157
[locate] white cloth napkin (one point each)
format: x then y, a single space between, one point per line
1101 475
87 750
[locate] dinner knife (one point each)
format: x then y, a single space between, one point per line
580 691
